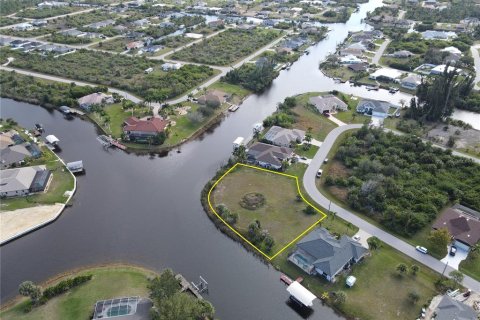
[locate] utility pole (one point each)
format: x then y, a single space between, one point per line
444 269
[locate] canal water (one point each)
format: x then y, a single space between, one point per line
146 209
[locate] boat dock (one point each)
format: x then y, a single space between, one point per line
76 166
233 108
109 142
189 288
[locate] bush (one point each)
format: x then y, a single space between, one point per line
65 285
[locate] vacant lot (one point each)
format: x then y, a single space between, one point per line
226 47
282 214
41 13
120 71
78 303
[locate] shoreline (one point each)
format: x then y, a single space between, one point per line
117 265
54 218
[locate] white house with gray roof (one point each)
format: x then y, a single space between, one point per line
328 103
283 137
267 155
320 253
376 108
22 181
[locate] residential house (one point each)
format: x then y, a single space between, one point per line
23 26
453 50
358 67
320 253
16 154
72 33
213 97
141 22
451 309
283 137
284 50
101 24
171 66
134 45
39 23
438 35
351 52
268 156
462 223
350 60
374 107
23 181
97 98
136 128
403 54
411 82
386 74
441 69
216 23
52 4
328 103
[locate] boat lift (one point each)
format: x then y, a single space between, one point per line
201 286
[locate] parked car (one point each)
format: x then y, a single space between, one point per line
453 250
356 237
467 293
421 249
326 114
319 173
326 160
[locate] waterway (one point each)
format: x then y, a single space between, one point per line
146 209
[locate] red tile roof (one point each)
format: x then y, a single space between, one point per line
150 125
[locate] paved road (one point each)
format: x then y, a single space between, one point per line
124 94
379 53
476 60
400 245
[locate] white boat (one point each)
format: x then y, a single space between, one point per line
233 108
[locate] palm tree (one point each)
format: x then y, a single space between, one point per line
414 269
401 268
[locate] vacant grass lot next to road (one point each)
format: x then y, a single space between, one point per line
282 213
108 282
226 47
379 293
471 266
41 13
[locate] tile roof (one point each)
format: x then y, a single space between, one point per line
149 125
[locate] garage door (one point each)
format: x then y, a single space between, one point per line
462 246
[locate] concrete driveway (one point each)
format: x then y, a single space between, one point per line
454 261
363 237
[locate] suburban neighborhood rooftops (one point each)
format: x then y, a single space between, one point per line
153 124
284 137
328 102
18 178
268 153
462 226
449 309
328 253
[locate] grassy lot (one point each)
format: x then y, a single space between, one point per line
127 74
339 72
41 13
282 215
107 282
226 47
28 33
471 266
379 292
309 153
115 45
117 116
61 181
307 117
235 90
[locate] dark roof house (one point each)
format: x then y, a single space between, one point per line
283 137
462 225
321 253
451 309
267 155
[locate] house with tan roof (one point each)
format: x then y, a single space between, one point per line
97 98
215 97
328 103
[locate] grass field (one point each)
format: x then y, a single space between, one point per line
108 282
471 266
379 293
282 215
226 47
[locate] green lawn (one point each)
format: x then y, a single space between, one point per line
282 215
109 282
379 292
115 45
307 117
226 47
309 153
471 266
61 181
339 72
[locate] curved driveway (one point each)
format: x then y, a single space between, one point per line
400 245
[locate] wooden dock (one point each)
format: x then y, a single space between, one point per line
109 142
187 287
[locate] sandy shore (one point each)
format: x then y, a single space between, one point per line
19 221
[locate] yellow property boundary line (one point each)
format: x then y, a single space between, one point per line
239 234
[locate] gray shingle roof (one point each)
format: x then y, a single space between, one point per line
269 154
327 253
281 136
18 178
327 103
449 309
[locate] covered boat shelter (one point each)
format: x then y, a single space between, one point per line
300 294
